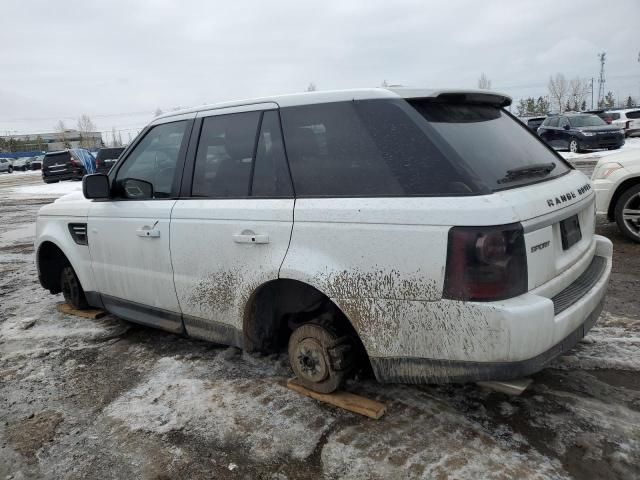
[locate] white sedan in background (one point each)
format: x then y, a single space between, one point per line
616 179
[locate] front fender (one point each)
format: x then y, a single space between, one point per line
56 231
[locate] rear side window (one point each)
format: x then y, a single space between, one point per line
489 141
614 116
634 114
367 148
553 122
563 122
225 155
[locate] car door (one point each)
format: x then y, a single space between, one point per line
232 232
129 233
563 136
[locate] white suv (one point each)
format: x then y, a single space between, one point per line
616 180
429 232
627 119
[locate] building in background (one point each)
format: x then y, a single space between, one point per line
50 142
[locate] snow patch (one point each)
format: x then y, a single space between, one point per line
422 437
243 412
49 189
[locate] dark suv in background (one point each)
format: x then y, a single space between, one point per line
70 164
106 158
579 131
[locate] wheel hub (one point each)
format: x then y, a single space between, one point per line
311 361
631 214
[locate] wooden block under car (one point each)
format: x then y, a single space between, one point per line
93 314
348 401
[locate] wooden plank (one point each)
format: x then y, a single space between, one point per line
348 401
69 310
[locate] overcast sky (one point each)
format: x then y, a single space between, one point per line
120 61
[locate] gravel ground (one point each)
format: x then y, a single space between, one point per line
108 399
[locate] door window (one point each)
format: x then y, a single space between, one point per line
553 122
271 174
563 122
225 156
150 170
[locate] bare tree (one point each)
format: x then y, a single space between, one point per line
578 91
61 130
158 112
384 84
114 138
558 89
85 127
484 83
311 87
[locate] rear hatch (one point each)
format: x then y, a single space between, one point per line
553 202
58 163
106 158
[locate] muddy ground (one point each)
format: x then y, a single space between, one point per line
108 399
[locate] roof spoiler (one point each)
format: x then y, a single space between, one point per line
476 97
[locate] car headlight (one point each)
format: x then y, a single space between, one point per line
606 169
588 134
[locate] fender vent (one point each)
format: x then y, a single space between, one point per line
79 233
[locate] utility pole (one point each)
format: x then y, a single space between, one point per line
591 93
602 57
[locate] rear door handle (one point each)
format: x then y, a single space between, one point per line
147 231
246 237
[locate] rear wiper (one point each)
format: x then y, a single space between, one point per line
528 171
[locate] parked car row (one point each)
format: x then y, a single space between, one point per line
22 163
75 163
596 129
628 119
577 132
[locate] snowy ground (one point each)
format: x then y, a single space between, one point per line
108 399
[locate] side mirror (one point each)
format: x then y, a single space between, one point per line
137 189
96 186
567 127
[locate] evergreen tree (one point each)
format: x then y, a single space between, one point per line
609 100
583 107
629 102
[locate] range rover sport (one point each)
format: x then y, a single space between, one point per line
426 231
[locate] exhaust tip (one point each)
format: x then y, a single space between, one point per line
510 387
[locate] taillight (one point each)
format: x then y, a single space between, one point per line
75 162
486 263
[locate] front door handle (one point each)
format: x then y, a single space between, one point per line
148 231
250 237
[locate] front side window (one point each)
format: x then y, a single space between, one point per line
225 156
563 122
149 171
553 122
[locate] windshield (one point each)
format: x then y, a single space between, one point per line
490 142
586 121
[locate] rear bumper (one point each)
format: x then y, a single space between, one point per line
74 175
519 336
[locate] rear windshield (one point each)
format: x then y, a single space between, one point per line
109 153
415 148
62 157
587 121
